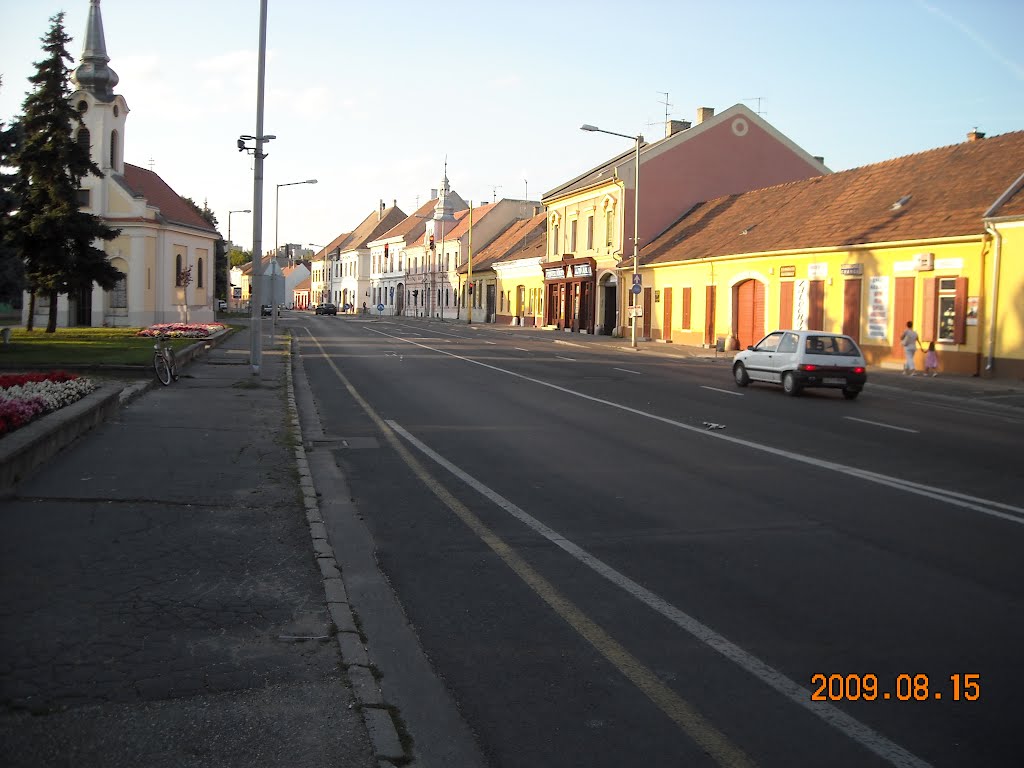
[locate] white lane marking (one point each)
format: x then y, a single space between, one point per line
851 727
570 359
567 343
520 349
490 342
985 506
880 424
626 370
723 391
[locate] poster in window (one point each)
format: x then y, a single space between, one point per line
947 318
972 310
878 307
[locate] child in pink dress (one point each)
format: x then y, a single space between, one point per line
931 360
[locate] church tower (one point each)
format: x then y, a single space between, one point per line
103 113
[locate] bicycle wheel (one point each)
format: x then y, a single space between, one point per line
163 371
172 363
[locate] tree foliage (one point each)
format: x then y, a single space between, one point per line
51 235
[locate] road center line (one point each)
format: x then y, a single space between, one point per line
626 370
723 391
880 424
520 349
570 359
851 727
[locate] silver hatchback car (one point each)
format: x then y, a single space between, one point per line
799 359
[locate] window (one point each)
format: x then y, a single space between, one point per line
199 277
572 236
113 149
769 343
84 139
609 227
555 246
119 294
178 276
84 199
789 343
590 233
947 310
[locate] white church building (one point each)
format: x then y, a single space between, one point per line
165 251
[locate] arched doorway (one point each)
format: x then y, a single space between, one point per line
748 312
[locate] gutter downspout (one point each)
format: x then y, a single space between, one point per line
987 218
997 250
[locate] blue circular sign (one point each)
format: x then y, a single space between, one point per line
380 307
637 289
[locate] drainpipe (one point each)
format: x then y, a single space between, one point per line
997 250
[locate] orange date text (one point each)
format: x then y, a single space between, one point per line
904 687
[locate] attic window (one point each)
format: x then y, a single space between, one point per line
900 203
747 230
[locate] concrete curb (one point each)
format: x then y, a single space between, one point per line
377 715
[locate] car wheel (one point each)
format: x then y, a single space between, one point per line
789 385
739 373
851 394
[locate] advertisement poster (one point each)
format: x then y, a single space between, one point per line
800 305
972 310
878 307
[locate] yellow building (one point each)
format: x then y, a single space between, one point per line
934 239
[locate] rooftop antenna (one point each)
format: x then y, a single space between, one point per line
758 99
667 105
494 192
151 163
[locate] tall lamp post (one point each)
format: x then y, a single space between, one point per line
639 139
229 296
277 200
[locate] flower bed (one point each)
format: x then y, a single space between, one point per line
183 330
26 396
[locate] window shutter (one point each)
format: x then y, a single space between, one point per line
686 307
960 305
929 300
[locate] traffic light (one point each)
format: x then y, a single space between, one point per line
431 242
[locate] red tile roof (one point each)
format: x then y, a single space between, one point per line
935 194
173 208
413 226
372 227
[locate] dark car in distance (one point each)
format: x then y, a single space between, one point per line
265 310
326 309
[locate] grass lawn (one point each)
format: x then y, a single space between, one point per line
80 346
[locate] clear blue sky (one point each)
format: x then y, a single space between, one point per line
370 98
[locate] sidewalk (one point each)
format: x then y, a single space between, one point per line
169 597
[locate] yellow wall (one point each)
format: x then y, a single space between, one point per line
965 257
1008 349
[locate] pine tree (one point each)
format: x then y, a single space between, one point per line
12 272
55 239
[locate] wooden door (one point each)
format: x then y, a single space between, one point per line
648 308
816 305
902 312
709 316
851 309
749 312
785 305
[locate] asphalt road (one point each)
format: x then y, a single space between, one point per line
613 559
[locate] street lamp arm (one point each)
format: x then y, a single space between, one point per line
595 129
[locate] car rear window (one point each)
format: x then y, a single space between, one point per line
831 345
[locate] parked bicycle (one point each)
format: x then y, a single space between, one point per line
163 361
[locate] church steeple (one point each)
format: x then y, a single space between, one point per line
93 74
444 208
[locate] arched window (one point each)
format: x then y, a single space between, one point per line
177 270
84 139
199 277
113 150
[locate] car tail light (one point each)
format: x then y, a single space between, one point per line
807 367
858 369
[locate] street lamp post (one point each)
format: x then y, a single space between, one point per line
636 205
229 296
277 199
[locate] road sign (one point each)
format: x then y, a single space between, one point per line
380 307
638 280
637 288
636 311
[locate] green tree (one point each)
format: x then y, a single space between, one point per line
239 257
12 272
53 238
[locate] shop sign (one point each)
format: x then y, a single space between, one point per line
789 271
852 269
580 270
817 271
554 273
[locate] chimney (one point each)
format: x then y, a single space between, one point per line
704 113
820 159
673 127
394 203
975 135
433 193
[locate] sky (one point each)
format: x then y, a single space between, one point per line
373 99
